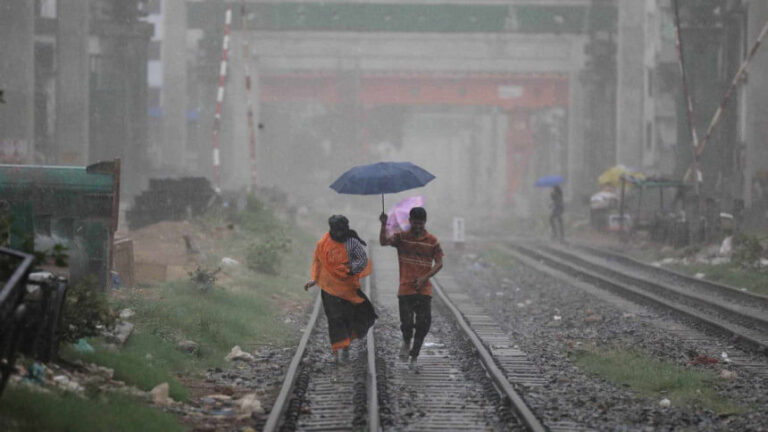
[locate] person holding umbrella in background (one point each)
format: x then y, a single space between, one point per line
419 257
556 217
339 262
557 207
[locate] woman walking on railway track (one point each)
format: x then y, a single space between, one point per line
340 261
417 249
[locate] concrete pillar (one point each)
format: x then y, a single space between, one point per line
575 184
756 91
72 82
174 92
630 97
17 78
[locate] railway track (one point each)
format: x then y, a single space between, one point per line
377 391
728 311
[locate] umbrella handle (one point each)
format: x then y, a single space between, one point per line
382 203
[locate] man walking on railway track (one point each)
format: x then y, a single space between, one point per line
340 261
420 257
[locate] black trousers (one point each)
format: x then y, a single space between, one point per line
347 320
415 316
556 222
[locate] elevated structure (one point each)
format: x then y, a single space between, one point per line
470 88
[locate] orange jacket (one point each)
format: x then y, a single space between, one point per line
330 271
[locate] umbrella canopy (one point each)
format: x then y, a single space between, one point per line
381 178
549 181
398 216
612 176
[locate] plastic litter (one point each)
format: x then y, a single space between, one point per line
665 403
83 346
229 262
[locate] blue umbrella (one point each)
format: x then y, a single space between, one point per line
549 181
381 178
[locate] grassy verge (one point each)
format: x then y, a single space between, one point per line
244 308
729 274
654 378
25 410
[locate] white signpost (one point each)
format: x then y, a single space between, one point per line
458 231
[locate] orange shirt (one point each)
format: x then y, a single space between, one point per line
329 269
415 256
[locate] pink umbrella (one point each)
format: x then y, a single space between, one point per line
397 217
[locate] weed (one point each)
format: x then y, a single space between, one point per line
747 250
652 377
29 410
86 311
203 279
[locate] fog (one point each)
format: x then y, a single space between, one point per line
486 95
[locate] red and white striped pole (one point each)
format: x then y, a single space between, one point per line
741 74
220 100
247 67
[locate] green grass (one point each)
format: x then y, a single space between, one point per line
730 274
496 256
26 410
656 379
244 308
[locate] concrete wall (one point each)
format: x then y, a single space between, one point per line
630 111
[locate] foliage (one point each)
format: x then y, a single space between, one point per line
24 409
747 250
59 255
265 256
86 311
203 279
652 377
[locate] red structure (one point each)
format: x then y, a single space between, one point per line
517 94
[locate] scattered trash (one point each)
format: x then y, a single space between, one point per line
728 375
726 247
703 360
432 344
120 333
229 262
160 394
521 305
699 275
724 356
250 404
499 293
239 354
126 313
665 403
593 318
528 302
188 346
82 346
557 317
36 373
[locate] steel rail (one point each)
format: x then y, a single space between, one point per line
714 287
374 423
662 289
273 421
531 257
524 413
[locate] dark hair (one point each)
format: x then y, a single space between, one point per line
341 223
418 213
338 221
